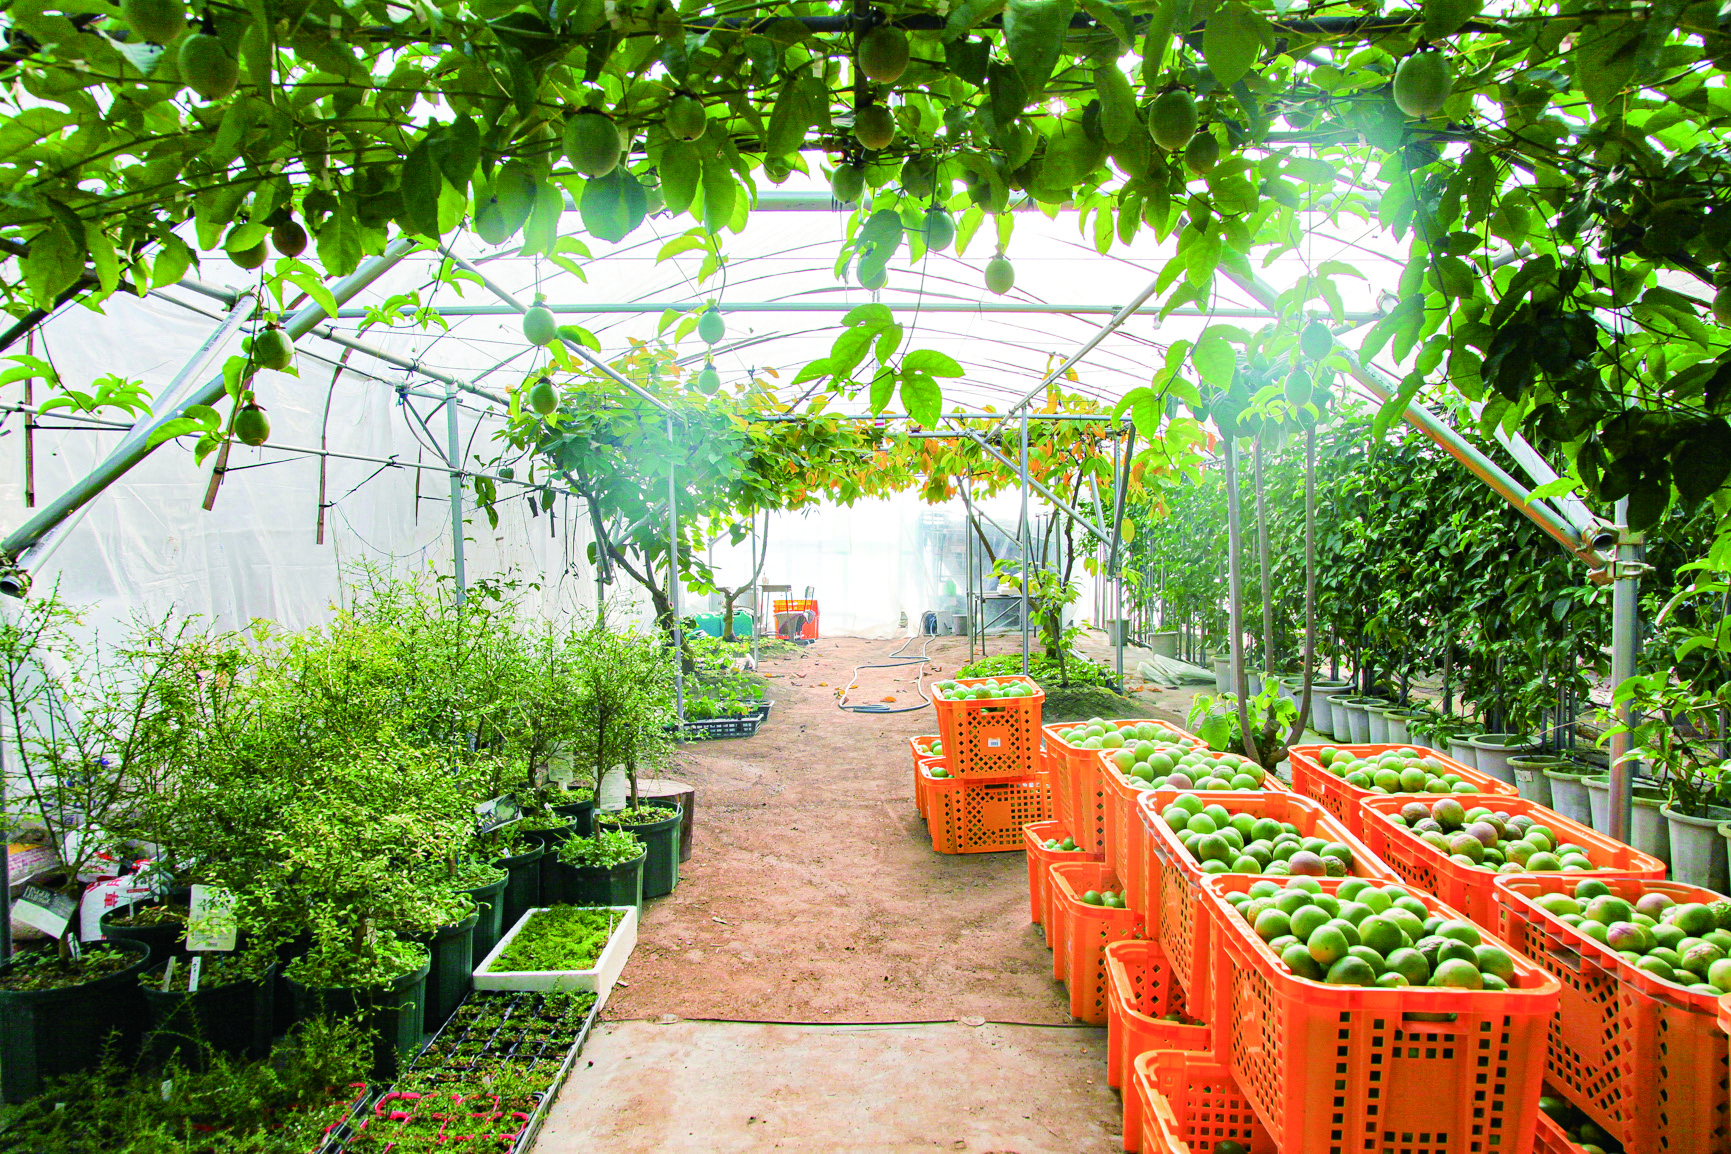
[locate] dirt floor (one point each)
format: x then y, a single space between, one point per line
813 893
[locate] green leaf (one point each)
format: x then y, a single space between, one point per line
874 314
458 150
932 363
1034 35
613 205
889 340
1445 17
681 168
1169 18
421 183
1214 359
719 191
922 398
1117 102
788 121
1395 407
541 230
883 389
53 264
1231 41
813 371
1605 58
1110 20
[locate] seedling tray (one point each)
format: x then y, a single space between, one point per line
717 728
599 978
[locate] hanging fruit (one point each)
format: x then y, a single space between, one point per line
543 397
708 380
251 426
250 258
1316 341
158 21
1422 83
592 143
207 67
1000 275
1202 153
272 349
1172 119
847 183
940 229
883 54
686 118
539 327
874 126
289 238
710 327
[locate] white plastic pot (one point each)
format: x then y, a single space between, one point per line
1495 749
1358 717
1698 856
1164 644
1376 718
1569 796
1223 674
1648 830
1460 748
1530 779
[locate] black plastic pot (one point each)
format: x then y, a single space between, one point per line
46 1033
620 885
661 839
523 887
582 813
452 962
490 926
164 941
550 840
236 1019
396 1012
282 998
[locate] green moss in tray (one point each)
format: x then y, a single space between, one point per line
561 938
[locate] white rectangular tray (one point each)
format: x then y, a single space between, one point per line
600 979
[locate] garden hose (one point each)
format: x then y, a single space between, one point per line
894 661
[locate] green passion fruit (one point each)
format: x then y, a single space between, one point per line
1172 119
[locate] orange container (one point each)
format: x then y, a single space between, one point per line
1342 798
922 749
1034 836
965 816
994 738
1469 888
1645 1059
1141 992
1177 916
1076 780
1189 1104
1335 1068
1088 930
1550 1138
808 631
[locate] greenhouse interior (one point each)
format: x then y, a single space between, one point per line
477 479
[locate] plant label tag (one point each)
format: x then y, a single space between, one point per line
502 811
210 922
49 912
105 895
192 975
168 974
561 774
994 742
610 795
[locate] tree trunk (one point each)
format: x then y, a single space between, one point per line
1309 585
1235 601
1269 664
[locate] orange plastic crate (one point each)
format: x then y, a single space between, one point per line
970 816
1645 1059
1141 989
1124 832
1332 1069
1076 777
922 749
1034 836
1470 887
1177 916
1087 931
996 738
1342 798
1550 1138
1189 1104
808 631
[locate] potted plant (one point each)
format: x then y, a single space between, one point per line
657 829
605 869
562 948
1677 729
1491 752
231 1010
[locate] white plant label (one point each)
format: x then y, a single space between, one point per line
211 923
613 790
49 912
497 813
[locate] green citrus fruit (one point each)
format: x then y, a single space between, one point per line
158 21
708 380
919 177
1722 305
883 54
1315 341
1172 119
206 65
1422 83
592 143
289 238
250 258
940 234
874 127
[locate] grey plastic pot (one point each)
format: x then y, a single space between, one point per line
1340 727
1223 674
1399 720
1461 749
1648 831
1698 856
1569 794
1376 723
1255 679
1530 780
1358 716
1493 751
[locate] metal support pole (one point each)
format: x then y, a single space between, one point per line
5 890
673 580
1027 545
1028 482
135 446
453 457
1625 648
